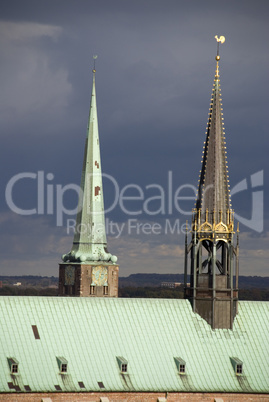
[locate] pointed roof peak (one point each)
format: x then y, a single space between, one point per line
213 189
219 40
94 69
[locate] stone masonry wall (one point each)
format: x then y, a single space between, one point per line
133 397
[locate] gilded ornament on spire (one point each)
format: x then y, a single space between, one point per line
94 58
219 40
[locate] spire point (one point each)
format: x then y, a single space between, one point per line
94 58
219 40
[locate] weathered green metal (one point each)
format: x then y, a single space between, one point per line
148 333
90 243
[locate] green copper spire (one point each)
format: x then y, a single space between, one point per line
90 243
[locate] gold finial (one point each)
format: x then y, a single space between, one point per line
219 40
94 58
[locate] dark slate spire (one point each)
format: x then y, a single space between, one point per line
212 265
213 198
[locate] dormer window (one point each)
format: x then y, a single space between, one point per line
124 368
237 365
123 364
182 368
62 364
64 368
239 369
13 365
181 365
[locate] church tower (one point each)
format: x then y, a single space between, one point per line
212 291
89 269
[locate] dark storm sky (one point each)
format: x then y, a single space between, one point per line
155 71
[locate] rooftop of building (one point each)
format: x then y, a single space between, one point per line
95 337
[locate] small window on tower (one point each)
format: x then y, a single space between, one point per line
105 290
92 290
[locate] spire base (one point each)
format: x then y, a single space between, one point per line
88 279
89 252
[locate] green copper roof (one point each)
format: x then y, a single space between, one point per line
97 336
90 242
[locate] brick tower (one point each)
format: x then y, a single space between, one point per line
89 269
213 257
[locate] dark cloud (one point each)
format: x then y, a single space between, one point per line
155 72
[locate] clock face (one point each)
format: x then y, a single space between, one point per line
99 276
69 275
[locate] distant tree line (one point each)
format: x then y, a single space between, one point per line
155 280
30 280
150 292
27 291
256 294
133 281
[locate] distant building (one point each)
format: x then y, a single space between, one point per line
170 284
